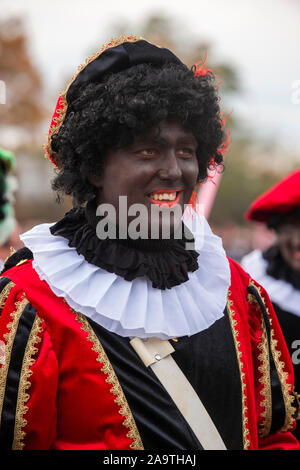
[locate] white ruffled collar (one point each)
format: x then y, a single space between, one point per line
135 308
280 292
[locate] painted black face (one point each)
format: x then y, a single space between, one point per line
159 168
289 242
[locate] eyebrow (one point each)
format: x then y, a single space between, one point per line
184 139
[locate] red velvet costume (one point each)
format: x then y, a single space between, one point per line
279 208
66 382
68 396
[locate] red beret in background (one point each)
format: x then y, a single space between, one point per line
282 198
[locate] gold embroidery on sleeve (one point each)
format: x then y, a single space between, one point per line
265 380
24 384
9 338
286 388
112 379
297 400
12 251
5 293
22 262
233 323
264 369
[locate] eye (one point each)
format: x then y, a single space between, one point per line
146 152
186 152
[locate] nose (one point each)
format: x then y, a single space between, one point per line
169 167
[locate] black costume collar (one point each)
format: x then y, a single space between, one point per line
165 263
278 268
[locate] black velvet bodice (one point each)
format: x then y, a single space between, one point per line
208 359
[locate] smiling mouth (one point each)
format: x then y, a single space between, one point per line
165 198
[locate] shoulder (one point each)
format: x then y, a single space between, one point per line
247 295
255 264
19 271
17 258
29 309
19 281
240 281
253 308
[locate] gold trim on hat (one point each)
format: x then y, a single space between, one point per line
63 96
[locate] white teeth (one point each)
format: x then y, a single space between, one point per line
163 196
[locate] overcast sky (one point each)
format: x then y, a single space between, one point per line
261 38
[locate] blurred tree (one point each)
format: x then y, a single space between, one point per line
241 183
167 32
23 105
21 120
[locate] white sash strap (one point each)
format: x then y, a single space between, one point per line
156 353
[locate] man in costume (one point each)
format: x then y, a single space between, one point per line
277 269
8 184
92 327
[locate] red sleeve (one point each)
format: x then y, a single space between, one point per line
28 375
279 441
272 363
40 430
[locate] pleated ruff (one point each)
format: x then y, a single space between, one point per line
166 263
281 292
135 308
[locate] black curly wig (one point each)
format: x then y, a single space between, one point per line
110 114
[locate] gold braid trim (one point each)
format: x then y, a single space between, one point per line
10 337
62 112
112 379
12 251
5 293
297 399
237 344
286 388
265 380
24 384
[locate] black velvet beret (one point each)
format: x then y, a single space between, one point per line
120 58
118 55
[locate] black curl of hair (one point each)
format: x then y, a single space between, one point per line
110 114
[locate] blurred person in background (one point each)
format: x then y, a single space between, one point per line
277 269
9 228
96 329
